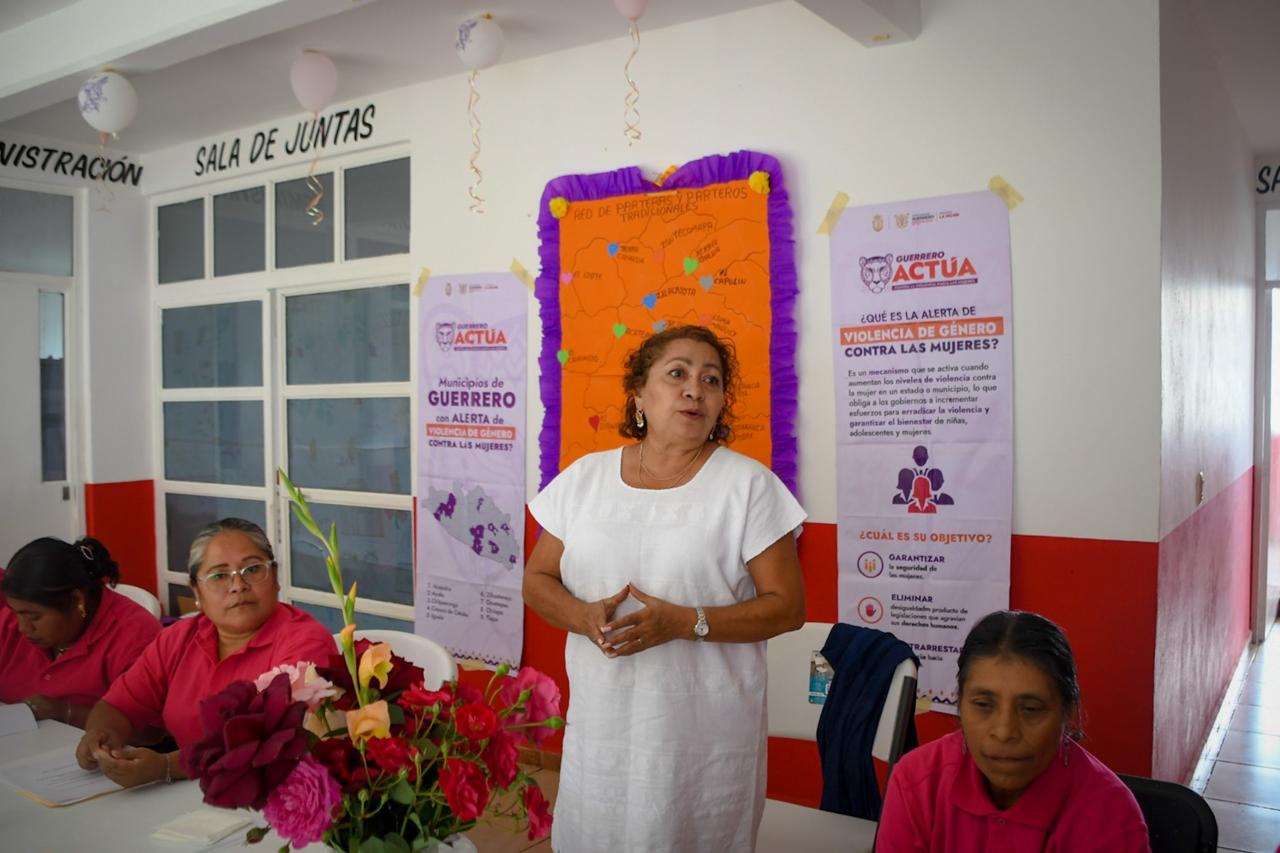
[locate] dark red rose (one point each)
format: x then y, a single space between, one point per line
252 741
403 676
392 754
475 721
465 788
501 757
535 806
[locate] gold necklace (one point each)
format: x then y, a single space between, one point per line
646 473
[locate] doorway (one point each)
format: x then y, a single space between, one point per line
1265 596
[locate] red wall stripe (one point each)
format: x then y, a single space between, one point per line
123 517
1202 623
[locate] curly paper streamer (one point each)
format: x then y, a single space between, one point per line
477 201
101 189
630 112
317 188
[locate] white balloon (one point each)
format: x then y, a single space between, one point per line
479 42
314 78
108 102
631 9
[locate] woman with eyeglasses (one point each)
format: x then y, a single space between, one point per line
65 636
242 631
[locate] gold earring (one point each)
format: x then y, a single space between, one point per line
639 419
83 614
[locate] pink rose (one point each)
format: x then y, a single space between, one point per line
465 788
535 806
305 683
542 703
501 757
301 807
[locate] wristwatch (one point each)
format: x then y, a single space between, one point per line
701 628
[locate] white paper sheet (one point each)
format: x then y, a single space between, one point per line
55 779
15 719
203 826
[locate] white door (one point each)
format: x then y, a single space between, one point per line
36 496
1266 560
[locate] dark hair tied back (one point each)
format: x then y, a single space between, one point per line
48 571
1030 636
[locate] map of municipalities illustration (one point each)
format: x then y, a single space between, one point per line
470 516
634 265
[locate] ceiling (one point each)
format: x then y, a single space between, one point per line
377 45
1242 35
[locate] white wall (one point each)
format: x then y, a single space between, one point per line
1208 262
1058 98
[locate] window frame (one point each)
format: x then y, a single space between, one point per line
272 287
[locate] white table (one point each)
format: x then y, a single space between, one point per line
122 821
788 828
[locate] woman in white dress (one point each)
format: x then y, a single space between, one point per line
669 561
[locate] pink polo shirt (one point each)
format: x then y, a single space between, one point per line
181 667
937 800
117 634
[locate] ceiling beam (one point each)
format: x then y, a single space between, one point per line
871 23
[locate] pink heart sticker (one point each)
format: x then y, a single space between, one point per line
594 420
566 277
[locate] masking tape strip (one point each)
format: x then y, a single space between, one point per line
422 281
1002 188
522 273
838 204
924 705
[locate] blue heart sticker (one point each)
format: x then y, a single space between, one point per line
650 301
613 249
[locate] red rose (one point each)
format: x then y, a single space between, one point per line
403 675
392 754
476 721
535 806
501 756
465 788
252 741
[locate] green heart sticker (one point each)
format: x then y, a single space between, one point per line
619 329
562 356
690 264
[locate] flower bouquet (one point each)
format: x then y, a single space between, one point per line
356 752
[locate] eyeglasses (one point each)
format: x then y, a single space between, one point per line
252 574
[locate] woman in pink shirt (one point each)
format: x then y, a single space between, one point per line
243 631
64 636
1013 778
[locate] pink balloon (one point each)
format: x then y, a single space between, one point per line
315 80
630 9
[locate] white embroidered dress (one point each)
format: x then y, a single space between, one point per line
664 750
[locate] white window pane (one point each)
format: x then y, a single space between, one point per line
359 445
239 232
187 515
214 442
53 385
348 336
377 552
212 346
377 209
301 238
1271 238
36 232
180 241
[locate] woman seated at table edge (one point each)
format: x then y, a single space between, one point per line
242 632
1013 777
64 635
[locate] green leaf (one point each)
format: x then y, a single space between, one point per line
395 714
284 848
402 792
372 845
394 843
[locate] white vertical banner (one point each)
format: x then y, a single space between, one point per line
470 488
921 306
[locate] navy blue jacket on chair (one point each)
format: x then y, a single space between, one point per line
863 660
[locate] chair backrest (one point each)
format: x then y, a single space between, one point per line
1178 819
792 715
140 596
438 666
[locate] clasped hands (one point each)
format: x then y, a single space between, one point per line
656 623
126 766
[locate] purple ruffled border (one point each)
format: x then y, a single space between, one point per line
716 169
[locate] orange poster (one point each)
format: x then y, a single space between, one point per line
623 258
